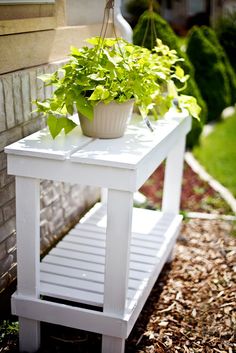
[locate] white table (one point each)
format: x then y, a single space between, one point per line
112 258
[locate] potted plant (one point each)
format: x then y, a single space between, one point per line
110 74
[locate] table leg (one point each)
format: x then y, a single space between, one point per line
119 221
173 179
28 255
172 182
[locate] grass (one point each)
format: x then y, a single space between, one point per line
217 153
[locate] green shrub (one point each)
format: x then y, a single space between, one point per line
135 9
210 34
151 24
210 73
226 33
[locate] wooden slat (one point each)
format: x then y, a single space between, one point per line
100 250
73 255
54 291
72 272
68 282
60 148
81 248
73 263
76 264
85 239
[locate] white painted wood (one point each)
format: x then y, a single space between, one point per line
29 334
112 344
69 282
104 196
117 167
72 263
81 254
131 149
72 294
41 144
107 260
135 307
70 316
28 250
173 178
118 237
71 172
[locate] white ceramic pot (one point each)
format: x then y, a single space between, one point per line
110 120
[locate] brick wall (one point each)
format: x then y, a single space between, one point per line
61 203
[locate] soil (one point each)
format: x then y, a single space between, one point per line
191 308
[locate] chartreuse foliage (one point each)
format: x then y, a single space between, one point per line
210 72
151 24
110 70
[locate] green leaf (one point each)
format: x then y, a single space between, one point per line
100 93
96 77
43 106
45 77
84 107
109 42
54 126
179 72
69 101
75 51
190 103
94 40
68 124
70 108
57 124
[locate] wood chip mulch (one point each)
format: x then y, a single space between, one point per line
197 195
192 307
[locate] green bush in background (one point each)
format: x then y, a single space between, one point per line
135 8
226 33
151 24
210 34
210 73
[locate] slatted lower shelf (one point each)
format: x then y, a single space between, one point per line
74 269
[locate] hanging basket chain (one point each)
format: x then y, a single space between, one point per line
110 4
109 9
150 26
105 22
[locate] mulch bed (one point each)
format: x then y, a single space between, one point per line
197 195
191 308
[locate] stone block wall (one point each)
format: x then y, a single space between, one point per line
61 204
